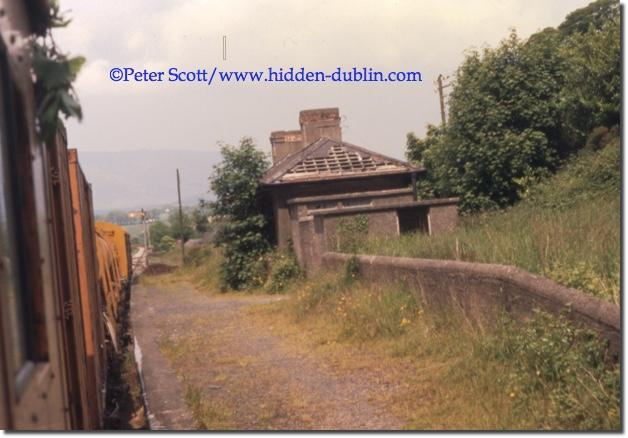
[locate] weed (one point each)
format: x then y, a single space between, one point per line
558 375
207 415
349 231
352 268
284 269
541 374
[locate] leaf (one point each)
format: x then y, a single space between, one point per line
70 106
75 65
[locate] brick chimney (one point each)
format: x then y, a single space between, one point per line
285 143
315 123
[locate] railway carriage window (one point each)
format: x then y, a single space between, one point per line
21 288
11 299
9 280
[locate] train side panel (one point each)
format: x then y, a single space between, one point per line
90 296
68 282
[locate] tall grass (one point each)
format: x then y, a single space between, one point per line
542 374
566 228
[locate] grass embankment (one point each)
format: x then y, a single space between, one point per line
566 228
544 374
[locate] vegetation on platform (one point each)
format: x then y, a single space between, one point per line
566 228
542 374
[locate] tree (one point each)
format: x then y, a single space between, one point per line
200 216
503 129
595 15
592 94
175 225
235 182
158 230
518 110
427 153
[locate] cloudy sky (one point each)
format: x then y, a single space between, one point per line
428 36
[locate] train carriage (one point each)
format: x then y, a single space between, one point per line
34 379
53 348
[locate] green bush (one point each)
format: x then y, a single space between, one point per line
284 269
235 184
166 244
559 375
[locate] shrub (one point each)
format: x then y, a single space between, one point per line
568 366
235 184
284 269
166 244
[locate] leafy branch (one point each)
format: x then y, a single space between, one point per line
54 74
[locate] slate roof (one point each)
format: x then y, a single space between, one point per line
331 159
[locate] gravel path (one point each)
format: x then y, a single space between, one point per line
250 377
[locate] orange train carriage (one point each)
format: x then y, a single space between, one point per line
61 279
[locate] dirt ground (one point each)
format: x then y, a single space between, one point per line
212 362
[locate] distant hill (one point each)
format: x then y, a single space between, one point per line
132 179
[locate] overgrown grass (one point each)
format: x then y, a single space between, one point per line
566 228
182 351
202 267
544 374
207 415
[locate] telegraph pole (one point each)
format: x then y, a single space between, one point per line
180 219
441 96
146 238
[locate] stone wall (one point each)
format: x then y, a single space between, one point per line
482 291
313 232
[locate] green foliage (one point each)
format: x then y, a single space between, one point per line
54 73
349 231
198 256
542 373
586 177
375 313
592 93
352 268
158 230
166 243
517 110
176 228
428 154
361 312
568 365
315 297
284 269
595 15
200 217
503 121
235 184
567 228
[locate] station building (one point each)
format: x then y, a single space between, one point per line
317 179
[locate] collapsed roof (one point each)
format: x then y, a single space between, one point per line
327 159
